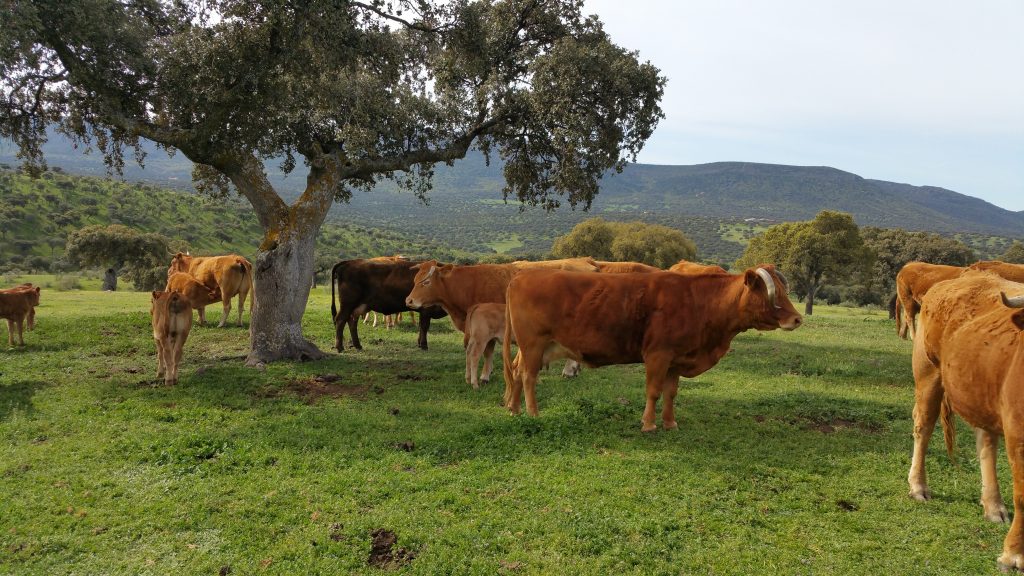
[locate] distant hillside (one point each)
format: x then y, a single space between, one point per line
719 205
37 215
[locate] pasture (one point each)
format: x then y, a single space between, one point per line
791 458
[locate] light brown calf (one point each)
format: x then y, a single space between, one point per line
172 320
913 281
485 327
198 294
16 305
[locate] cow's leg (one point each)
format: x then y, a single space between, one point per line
927 403
21 333
668 399
1013 545
656 369
178 347
488 360
421 340
530 363
241 307
515 390
10 333
160 369
226 299
202 315
991 500
353 328
472 362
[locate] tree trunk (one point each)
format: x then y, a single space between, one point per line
110 280
809 304
281 278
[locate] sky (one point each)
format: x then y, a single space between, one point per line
917 92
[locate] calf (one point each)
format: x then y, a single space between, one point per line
485 327
199 295
172 320
17 305
913 281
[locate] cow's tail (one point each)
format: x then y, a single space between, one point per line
891 307
901 331
948 428
334 276
506 352
469 322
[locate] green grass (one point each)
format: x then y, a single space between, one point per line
505 244
791 458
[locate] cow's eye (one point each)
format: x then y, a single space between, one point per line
425 283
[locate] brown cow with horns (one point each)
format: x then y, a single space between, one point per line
677 325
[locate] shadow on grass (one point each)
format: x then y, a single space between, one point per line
18 397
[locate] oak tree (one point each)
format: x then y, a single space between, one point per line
350 92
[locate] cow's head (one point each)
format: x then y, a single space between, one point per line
767 300
430 277
179 263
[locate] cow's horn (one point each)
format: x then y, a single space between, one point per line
769 283
782 278
1014 302
430 272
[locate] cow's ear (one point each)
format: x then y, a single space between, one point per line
155 294
37 289
1018 319
750 278
416 266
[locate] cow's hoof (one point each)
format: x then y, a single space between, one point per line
921 494
485 382
648 427
997 514
673 425
1011 561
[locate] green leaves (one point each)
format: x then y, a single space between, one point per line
651 244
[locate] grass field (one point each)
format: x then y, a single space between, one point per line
791 458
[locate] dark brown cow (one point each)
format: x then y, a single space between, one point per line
912 282
17 306
969 360
172 321
230 274
379 285
677 325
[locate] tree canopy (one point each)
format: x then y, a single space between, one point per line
356 92
651 244
1014 254
828 249
123 249
894 247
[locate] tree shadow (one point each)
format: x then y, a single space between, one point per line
17 397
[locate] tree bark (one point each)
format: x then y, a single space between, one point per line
110 280
809 304
281 280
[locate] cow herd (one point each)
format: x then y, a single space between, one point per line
966 325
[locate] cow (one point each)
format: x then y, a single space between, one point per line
458 288
172 321
622 267
485 326
693 268
378 285
17 306
912 282
1012 272
33 292
199 295
968 359
677 325
231 274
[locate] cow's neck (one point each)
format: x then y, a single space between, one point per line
730 316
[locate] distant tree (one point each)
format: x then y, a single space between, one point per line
894 247
652 244
1014 254
354 92
828 249
119 249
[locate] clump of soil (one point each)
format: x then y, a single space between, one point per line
311 389
383 553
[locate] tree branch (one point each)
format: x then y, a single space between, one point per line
393 18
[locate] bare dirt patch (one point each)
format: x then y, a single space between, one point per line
313 388
383 553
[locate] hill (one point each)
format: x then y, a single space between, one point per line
37 215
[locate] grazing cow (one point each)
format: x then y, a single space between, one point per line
379 285
485 326
677 325
172 320
912 282
231 275
17 305
458 288
623 267
693 268
198 294
969 359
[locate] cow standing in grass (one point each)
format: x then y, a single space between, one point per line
230 275
199 295
172 320
969 360
913 281
17 306
675 324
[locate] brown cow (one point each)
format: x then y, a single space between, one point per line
677 325
199 295
379 285
17 305
693 268
485 326
623 267
1012 272
231 275
912 282
33 293
969 360
172 320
